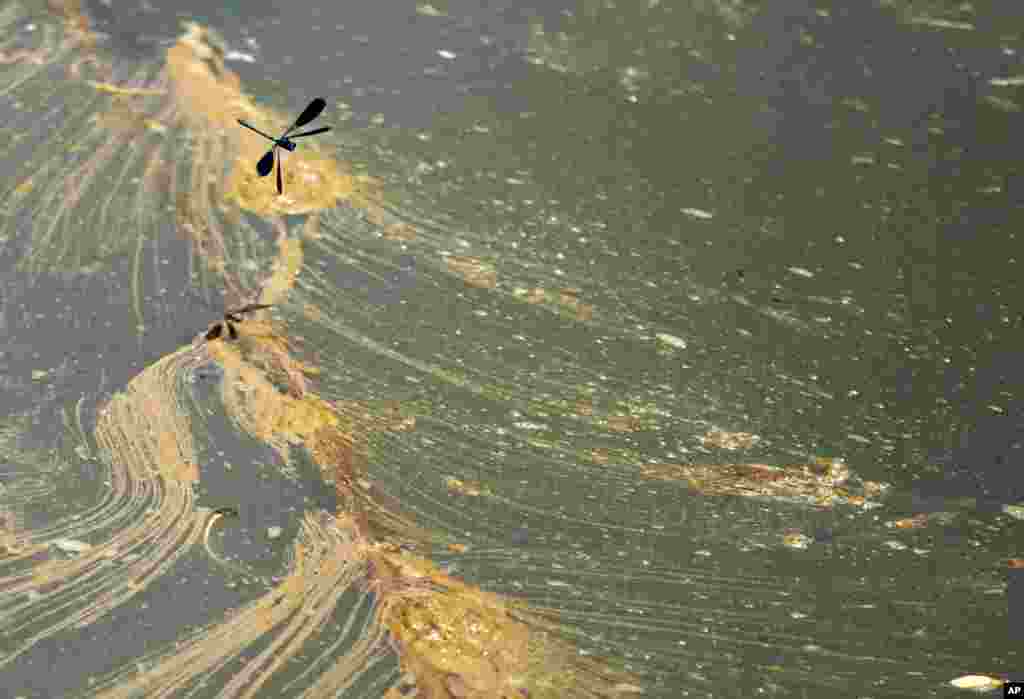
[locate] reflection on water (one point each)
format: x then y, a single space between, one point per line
533 414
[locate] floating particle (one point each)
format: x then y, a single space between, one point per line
428 10
1015 81
977 683
729 440
1015 511
623 423
72 546
698 213
796 540
671 340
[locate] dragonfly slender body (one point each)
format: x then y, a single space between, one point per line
266 163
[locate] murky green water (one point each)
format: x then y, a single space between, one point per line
606 231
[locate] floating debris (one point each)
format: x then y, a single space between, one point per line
535 295
729 440
428 10
800 271
671 340
567 298
796 540
698 213
977 683
623 423
399 231
1015 81
1015 511
922 520
823 483
239 56
71 546
1002 104
274 532
941 23
474 271
570 299
915 522
470 488
445 629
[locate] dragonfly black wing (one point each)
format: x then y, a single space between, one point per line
250 126
322 129
266 163
310 113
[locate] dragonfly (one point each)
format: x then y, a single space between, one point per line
266 163
232 317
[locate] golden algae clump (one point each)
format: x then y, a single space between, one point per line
459 641
257 405
212 99
476 273
161 138
822 483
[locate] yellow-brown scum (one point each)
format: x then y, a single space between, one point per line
452 638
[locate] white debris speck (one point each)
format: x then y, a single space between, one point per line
698 213
895 545
797 541
274 532
557 583
428 10
1015 511
239 56
941 23
672 340
525 425
978 683
800 271
1015 81
72 545
446 54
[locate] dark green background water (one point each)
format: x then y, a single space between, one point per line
823 201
